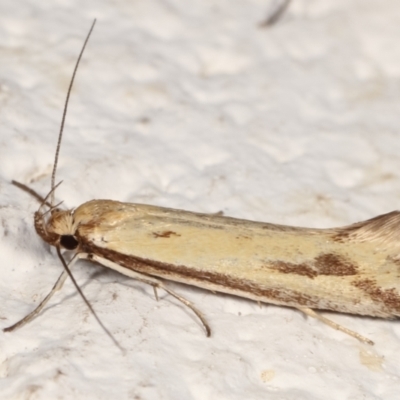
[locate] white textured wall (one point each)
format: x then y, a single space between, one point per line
191 105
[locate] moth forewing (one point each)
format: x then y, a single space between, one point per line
329 269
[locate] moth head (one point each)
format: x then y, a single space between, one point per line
58 229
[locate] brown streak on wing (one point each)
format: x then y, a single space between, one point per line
302 269
334 264
324 264
389 297
220 282
165 234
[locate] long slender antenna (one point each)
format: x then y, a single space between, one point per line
44 202
53 186
53 175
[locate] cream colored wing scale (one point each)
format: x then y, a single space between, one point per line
332 269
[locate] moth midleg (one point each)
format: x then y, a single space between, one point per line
149 280
57 286
334 325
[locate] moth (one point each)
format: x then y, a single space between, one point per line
352 269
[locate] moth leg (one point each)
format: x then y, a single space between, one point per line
187 303
334 325
155 292
57 286
149 280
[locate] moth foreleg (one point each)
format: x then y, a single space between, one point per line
149 280
332 324
57 286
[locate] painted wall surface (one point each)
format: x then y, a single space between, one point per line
193 105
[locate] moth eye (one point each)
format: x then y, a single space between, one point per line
69 242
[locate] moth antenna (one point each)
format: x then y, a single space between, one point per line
53 175
32 192
46 203
53 187
51 209
56 205
43 200
109 334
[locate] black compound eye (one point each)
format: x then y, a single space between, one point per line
69 242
